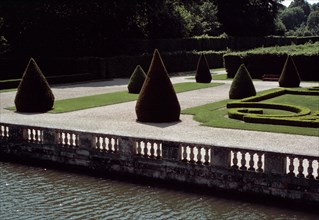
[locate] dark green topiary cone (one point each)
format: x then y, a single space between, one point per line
157 101
34 93
242 85
289 76
203 74
136 81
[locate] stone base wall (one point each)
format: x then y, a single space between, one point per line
293 177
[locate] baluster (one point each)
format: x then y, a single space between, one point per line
243 161
66 138
35 135
251 162
72 140
77 137
109 146
60 138
291 166
199 155
3 131
6 131
145 150
98 143
206 156
259 163
310 170
191 155
116 145
152 151
103 144
139 149
41 136
158 151
29 135
184 153
300 169
235 160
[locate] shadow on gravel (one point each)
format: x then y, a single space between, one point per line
160 125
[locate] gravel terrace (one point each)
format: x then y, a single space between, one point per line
120 119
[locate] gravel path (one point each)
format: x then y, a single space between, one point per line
120 119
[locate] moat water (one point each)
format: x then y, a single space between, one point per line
38 193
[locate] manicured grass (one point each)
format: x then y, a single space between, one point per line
74 104
85 102
7 90
214 77
215 115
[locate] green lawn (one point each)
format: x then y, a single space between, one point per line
85 102
215 115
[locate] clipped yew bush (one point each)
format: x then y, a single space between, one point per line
242 85
34 93
289 76
157 101
136 81
202 72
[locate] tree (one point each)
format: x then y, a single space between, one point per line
34 93
248 17
313 22
304 5
242 85
157 101
292 17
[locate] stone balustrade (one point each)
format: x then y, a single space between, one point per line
260 172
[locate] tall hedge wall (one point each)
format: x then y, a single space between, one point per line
271 61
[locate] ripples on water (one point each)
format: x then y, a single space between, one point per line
37 193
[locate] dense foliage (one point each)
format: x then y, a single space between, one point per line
136 81
300 18
289 76
77 28
203 74
271 60
34 93
242 85
157 101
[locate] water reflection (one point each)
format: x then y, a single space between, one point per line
37 193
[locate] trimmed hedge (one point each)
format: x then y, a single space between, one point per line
34 93
203 74
242 85
271 61
157 101
136 81
289 76
244 110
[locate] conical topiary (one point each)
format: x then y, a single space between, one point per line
203 74
136 81
34 93
289 76
242 85
157 101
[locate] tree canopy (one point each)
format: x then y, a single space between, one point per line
83 28
300 18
